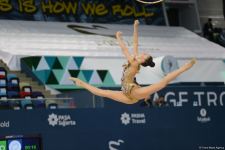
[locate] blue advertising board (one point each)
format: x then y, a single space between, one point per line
84 129
193 119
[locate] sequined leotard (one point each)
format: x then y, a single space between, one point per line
128 81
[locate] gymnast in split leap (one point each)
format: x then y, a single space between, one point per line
131 92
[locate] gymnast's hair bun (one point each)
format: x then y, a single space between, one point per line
148 62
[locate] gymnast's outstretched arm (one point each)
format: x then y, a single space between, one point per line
123 46
135 38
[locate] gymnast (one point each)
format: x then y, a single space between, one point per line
131 92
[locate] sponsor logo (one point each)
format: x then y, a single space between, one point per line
203 118
60 120
125 118
133 118
2 145
4 124
15 145
113 145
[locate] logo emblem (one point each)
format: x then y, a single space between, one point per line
52 119
2 145
15 145
203 117
125 118
60 120
203 112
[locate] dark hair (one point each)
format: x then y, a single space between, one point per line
148 62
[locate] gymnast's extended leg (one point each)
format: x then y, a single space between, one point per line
115 95
143 92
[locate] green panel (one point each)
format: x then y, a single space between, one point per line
52 79
102 74
78 61
72 87
57 64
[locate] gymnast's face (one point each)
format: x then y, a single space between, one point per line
142 57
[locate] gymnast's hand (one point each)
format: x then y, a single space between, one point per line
118 34
77 81
136 23
189 64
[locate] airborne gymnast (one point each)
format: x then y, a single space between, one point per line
131 92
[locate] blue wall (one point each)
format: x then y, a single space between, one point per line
155 129
194 119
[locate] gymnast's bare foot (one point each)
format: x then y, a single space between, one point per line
189 64
77 81
118 34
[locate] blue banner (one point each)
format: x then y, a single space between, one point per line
85 129
94 11
193 118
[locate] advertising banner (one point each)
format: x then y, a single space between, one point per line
191 119
95 11
115 129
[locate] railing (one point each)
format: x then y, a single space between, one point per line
36 103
